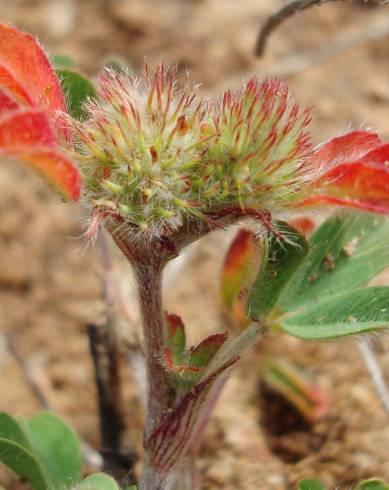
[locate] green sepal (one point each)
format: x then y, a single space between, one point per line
186 369
176 338
201 355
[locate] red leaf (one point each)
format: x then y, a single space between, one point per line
237 265
28 136
379 156
34 80
24 129
7 103
374 207
349 147
356 180
363 184
8 81
239 269
57 169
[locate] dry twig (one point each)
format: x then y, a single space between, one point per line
300 61
296 63
106 356
104 350
285 13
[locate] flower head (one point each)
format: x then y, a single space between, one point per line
155 157
154 154
32 106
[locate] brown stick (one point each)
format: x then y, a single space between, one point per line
285 13
105 355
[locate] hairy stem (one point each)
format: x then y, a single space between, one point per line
148 258
182 478
149 275
186 477
148 261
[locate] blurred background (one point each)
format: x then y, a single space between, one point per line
335 58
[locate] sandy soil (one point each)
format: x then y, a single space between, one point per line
50 283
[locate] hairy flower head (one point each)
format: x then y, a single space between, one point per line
155 157
153 153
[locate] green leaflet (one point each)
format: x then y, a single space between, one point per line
62 61
280 259
187 367
10 429
23 463
98 481
57 448
43 450
352 312
372 484
77 89
310 484
345 252
314 291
